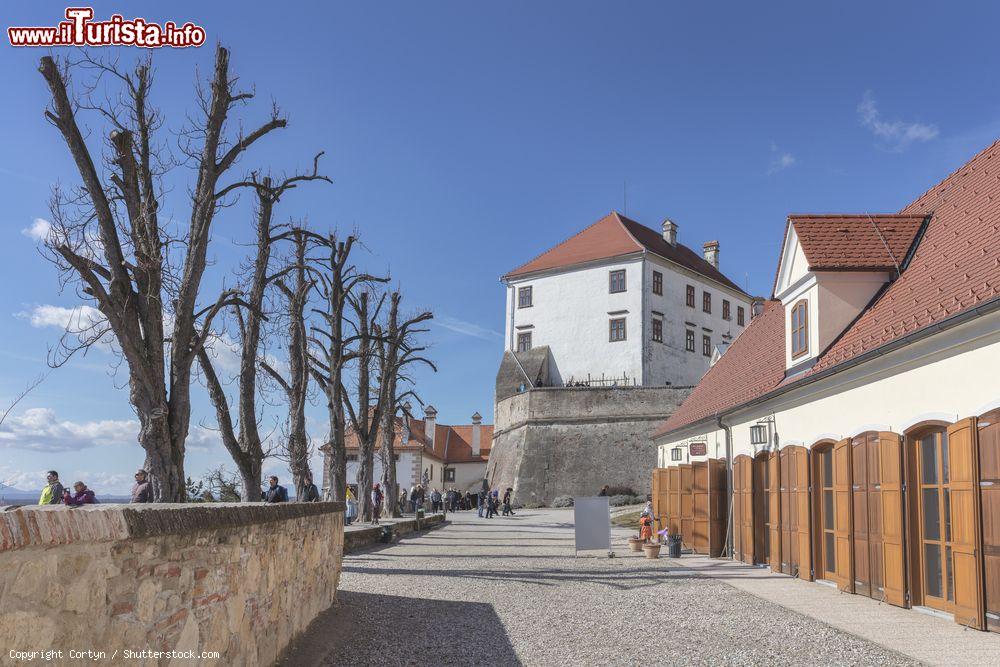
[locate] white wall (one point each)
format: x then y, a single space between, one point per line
571 309
404 469
669 361
570 313
947 377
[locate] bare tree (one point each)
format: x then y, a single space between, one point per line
242 439
296 385
396 351
30 387
336 278
107 240
223 485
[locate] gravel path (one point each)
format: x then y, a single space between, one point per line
509 591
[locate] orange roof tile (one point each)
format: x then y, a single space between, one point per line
614 235
856 242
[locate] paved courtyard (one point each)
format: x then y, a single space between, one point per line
509 591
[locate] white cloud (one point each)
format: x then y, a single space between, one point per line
81 321
101 483
896 135
39 429
39 229
780 160
466 328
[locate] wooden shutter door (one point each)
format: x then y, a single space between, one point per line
843 520
989 502
737 518
746 517
893 565
687 505
963 464
675 500
774 511
804 513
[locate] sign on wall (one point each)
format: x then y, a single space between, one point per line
698 448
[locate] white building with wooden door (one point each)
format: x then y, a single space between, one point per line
860 410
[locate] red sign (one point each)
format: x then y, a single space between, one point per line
698 448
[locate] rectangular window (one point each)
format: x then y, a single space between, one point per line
800 329
657 283
524 342
689 341
524 297
352 457
690 296
449 474
740 316
706 345
657 330
616 281
616 329
706 302
725 310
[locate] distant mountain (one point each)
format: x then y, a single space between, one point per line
12 496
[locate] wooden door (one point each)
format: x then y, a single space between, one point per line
661 497
860 507
803 512
774 511
701 507
786 472
687 505
826 537
761 509
966 558
989 502
674 508
843 516
718 507
893 527
743 509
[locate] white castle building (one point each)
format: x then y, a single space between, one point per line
622 303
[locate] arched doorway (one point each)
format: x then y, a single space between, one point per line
825 513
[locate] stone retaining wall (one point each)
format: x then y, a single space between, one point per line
238 579
359 538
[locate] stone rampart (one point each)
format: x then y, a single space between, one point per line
553 441
240 580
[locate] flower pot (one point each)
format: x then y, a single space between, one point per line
635 544
652 550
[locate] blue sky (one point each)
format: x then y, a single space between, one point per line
465 138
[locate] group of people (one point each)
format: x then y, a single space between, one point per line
54 493
276 493
490 503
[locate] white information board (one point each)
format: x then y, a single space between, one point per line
592 523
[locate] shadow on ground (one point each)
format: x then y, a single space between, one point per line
352 633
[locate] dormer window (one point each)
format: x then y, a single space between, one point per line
800 328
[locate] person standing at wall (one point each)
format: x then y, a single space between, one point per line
310 494
81 495
377 498
507 509
142 490
52 492
275 493
435 501
351 512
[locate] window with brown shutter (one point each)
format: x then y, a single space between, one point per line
800 328
657 330
524 342
657 283
706 345
689 340
706 302
616 330
725 310
690 296
524 297
740 316
616 281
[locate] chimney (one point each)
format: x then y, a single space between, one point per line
477 422
405 435
712 253
670 231
430 420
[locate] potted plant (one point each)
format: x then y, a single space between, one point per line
652 550
635 543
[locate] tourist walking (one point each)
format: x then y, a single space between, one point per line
142 490
402 499
414 497
81 495
377 498
351 513
275 493
310 494
507 510
435 501
52 492
481 503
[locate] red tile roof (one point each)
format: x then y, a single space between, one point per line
753 365
614 235
452 444
856 242
954 267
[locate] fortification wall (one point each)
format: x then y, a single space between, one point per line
554 441
238 579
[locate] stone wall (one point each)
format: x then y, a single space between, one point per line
550 441
238 579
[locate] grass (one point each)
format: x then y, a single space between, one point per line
627 520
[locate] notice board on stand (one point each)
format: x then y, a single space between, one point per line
592 523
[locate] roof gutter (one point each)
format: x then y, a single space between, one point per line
958 319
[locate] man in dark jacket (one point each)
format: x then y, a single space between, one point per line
142 490
275 493
310 494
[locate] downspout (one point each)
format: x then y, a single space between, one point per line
729 485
